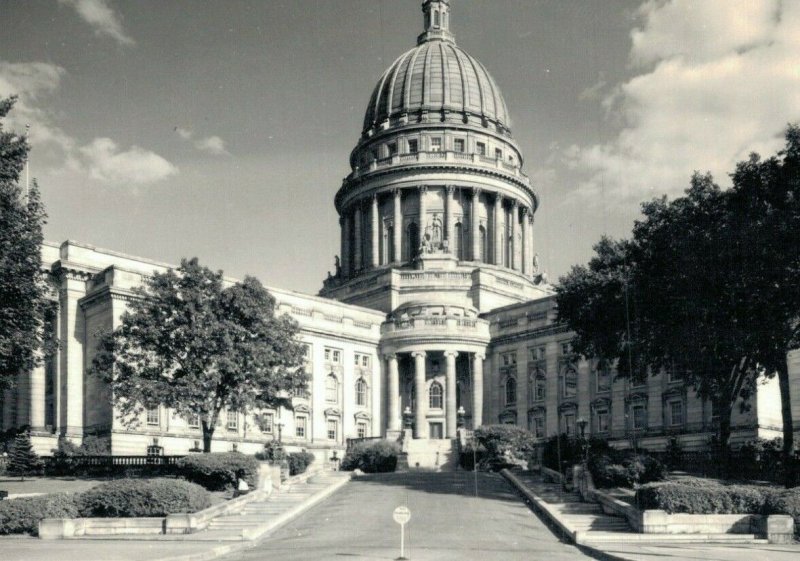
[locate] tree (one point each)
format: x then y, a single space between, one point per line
24 460
23 302
190 344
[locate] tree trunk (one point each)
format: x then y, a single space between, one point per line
788 428
208 433
724 409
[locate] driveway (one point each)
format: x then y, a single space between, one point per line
447 522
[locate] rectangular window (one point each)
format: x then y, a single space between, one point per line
333 429
602 420
364 361
458 145
538 426
268 423
541 389
361 429
639 416
392 148
232 421
603 379
569 424
536 354
566 349
509 359
333 355
300 426
436 144
153 417
307 352
498 153
193 421
481 148
413 146
675 409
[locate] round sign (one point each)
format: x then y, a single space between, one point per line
401 514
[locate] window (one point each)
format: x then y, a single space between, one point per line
193 421
361 361
566 349
391 148
675 412
481 148
570 383
232 420
413 241
307 352
540 391
435 396
331 388
536 424
413 146
457 244
639 416
374 154
674 375
601 420
153 417
482 244
361 392
568 424
498 153
511 391
361 429
300 426
333 355
267 423
509 359
333 429
536 354
458 145
603 378
436 144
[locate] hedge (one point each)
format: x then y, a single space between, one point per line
372 456
22 516
219 471
693 497
299 462
615 469
127 498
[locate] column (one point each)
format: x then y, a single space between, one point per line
346 257
526 266
515 235
8 407
398 227
358 241
71 362
499 228
423 211
421 409
36 386
393 387
374 225
23 400
450 217
451 415
342 245
474 225
477 389
530 242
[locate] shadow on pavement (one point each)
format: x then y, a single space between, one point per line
490 486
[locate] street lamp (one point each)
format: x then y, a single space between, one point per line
279 424
408 418
584 441
460 414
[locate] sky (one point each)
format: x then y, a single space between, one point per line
221 129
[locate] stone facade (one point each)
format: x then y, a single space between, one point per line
438 314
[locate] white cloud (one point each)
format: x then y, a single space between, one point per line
104 162
717 80
213 145
104 20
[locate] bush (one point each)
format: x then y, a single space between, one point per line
299 462
372 456
23 460
471 455
785 502
503 444
219 471
675 497
273 452
22 516
126 498
619 469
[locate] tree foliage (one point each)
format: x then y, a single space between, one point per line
24 460
706 286
190 344
23 302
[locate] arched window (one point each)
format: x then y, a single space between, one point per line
511 391
436 19
435 396
482 244
361 392
570 383
457 244
332 388
413 241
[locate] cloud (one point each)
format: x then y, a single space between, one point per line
213 145
106 163
54 149
714 81
99 15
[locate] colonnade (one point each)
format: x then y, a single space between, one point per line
420 413
508 232
25 405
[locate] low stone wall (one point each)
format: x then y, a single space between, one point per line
551 475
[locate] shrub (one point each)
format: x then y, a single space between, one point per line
299 462
673 454
471 455
24 460
372 456
273 452
674 497
503 444
218 471
22 516
127 498
616 469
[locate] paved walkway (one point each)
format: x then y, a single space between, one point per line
447 522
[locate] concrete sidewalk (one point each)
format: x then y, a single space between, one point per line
33 549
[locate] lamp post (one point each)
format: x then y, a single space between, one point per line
584 441
408 418
460 414
279 424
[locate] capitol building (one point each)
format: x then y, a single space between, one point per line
438 314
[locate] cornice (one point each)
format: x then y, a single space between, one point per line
542 331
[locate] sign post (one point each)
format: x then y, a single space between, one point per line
402 515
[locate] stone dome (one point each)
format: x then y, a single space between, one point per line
437 75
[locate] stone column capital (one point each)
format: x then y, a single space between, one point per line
514 203
374 198
476 192
418 354
524 211
450 189
453 354
479 356
396 192
423 188
390 356
498 199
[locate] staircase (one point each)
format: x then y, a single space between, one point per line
432 454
